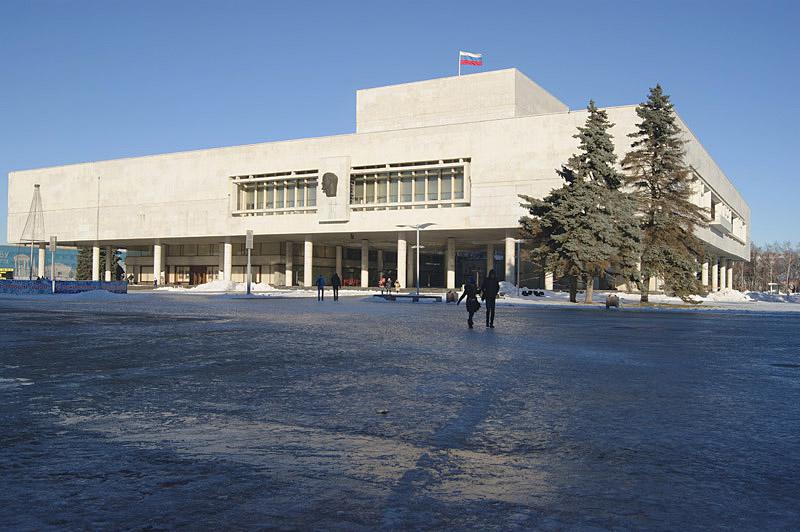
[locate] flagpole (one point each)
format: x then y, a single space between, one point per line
459 63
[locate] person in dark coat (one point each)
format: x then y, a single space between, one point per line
320 288
489 290
471 293
336 282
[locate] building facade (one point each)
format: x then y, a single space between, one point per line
452 152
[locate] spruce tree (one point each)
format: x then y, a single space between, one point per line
588 223
661 181
84 270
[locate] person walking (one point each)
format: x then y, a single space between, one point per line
471 293
389 284
320 288
336 282
489 289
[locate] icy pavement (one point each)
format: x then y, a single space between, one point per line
212 412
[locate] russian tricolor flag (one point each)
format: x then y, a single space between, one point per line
468 58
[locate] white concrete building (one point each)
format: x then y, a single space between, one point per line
455 152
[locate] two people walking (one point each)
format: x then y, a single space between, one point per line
488 291
336 282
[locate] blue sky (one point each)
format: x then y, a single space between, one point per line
84 81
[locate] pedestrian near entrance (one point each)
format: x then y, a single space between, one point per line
320 288
336 282
471 293
389 285
489 290
382 283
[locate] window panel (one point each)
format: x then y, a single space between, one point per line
369 191
446 194
394 187
405 189
270 195
312 194
250 202
458 186
290 195
358 191
382 191
419 188
280 190
433 187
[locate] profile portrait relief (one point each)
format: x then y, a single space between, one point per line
329 184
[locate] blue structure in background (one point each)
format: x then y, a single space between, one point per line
62 287
17 260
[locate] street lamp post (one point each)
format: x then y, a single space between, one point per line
417 227
519 241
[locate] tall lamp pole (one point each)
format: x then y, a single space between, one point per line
417 227
519 241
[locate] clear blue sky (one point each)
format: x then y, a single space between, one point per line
83 81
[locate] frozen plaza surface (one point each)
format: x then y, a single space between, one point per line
170 410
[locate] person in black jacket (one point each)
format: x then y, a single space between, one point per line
471 293
489 289
336 282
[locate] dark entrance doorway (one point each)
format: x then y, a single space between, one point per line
197 275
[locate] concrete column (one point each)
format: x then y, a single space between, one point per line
380 260
289 264
548 280
42 259
411 268
221 270
511 260
402 251
450 262
339 261
704 274
365 263
489 258
723 274
729 281
714 275
227 261
109 255
156 263
95 263
308 254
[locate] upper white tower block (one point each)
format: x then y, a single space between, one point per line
458 99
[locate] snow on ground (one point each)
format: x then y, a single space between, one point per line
723 299
221 286
257 289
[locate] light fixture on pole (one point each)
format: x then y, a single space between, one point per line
417 227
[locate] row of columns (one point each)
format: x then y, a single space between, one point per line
406 262
717 274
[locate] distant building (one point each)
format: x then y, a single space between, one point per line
454 152
15 261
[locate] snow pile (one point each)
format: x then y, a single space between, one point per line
94 295
728 295
510 289
222 286
774 298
